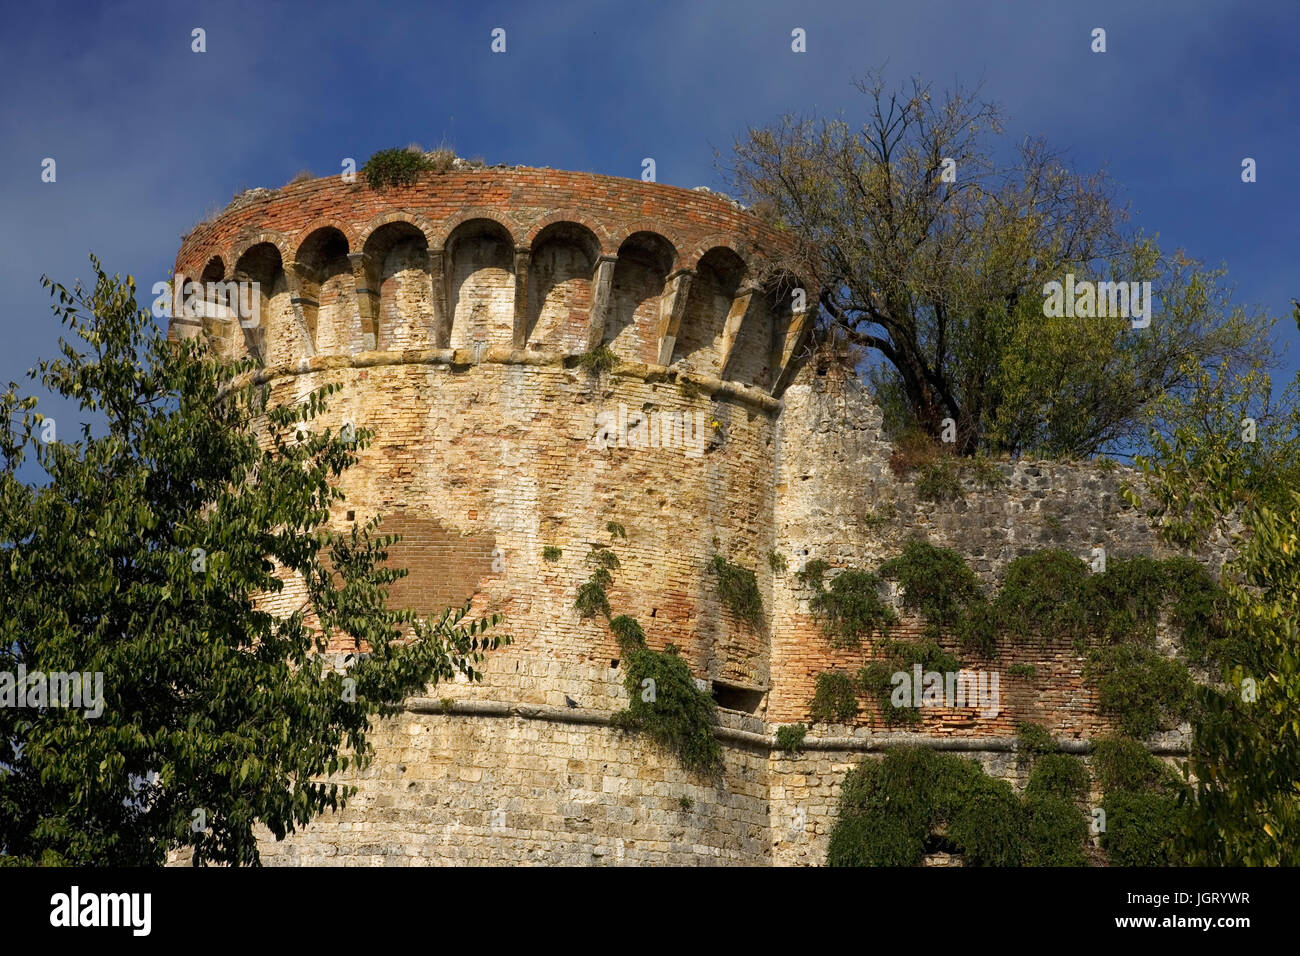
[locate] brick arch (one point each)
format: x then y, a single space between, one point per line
479 260
645 260
446 229
278 239
563 258
720 275
396 301
278 336
665 231
208 274
321 225
397 215
605 245
691 258
219 328
327 289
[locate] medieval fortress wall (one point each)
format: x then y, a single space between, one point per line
451 312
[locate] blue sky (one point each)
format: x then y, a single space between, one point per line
149 136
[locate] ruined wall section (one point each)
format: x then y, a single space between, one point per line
839 500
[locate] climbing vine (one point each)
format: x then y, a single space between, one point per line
851 608
664 702
738 588
876 678
915 801
1111 616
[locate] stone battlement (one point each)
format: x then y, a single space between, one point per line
506 258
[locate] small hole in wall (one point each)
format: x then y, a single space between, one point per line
654 611
744 699
614 662
352 516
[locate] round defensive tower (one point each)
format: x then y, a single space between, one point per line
452 313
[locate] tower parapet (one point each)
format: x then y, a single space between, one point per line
506 260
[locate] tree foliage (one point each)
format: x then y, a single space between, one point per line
931 254
1204 480
146 553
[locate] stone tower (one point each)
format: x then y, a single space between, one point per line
452 312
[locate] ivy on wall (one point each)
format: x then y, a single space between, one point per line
1111 616
851 609
895 810
738 588
664 702
914 801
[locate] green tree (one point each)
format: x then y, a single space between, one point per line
144 554
1209 479
932 273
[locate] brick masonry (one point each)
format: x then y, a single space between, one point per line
450 313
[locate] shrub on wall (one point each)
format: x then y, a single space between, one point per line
914 800
1144 690
592 599
835 700
599 360
1044 592
664 701
850 609
1198 611
1057 832
1058 775
877 680
1145 803
738 588
1142 828
936 582
939 480
395 167
790 738
1124 601
628 633
1049 592
665 704
1120 763
1032 740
